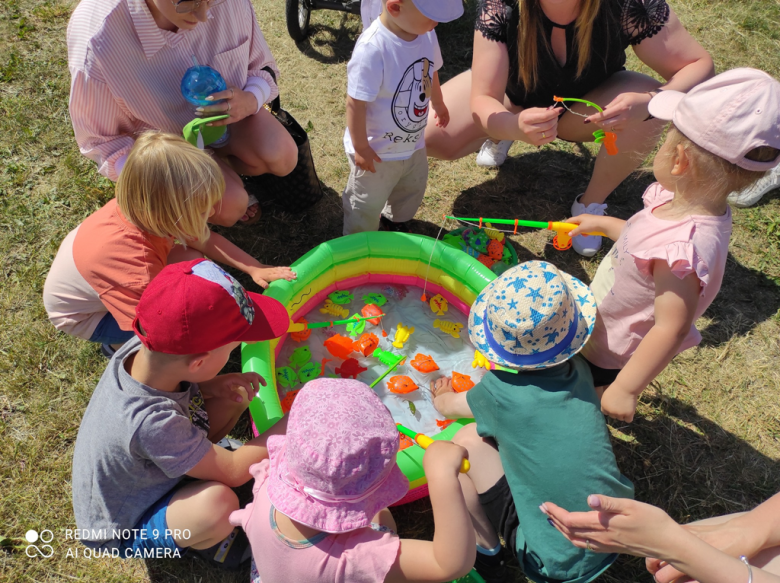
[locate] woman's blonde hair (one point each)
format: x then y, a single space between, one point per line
168 186
530 29
712 174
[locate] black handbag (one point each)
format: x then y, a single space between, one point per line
301 188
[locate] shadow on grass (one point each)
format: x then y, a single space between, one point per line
678 460
330 44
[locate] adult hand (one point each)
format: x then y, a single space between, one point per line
616 525
618 403
234 386
539 125
237 103
365 158
726 536
262 276
625 110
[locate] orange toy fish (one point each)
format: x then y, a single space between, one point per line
303 334
339 346
495 250
287 402
406 441
461 382
486 261
401 385
424 363
367 343
441 424
350 368
372 310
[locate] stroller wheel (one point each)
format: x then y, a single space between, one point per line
298 13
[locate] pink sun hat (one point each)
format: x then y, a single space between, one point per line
335 468
728 115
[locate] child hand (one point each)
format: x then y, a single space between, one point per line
262 276
587 224
365 158
444 458
441 114
234 386
619 404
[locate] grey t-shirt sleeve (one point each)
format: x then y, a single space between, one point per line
171 442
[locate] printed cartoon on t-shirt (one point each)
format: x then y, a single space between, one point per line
413 96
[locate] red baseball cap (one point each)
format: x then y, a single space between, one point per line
196 306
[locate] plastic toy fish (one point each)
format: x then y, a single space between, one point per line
473 252
397 291
341 297
506 257
302 335
286 377
480 360
402 334
461 382
405 442
495 250
376 299
309 371
486 261
300 356
355 328
478 240
424 363
339 346
350 368
287 402
366 344
386 358
451 328
333 309
493 234
453 240
372 310
439 305
401 385
444 424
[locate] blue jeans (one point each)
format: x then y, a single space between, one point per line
109 332
151 532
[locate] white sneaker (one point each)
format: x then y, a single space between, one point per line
587 245
493 154
752 194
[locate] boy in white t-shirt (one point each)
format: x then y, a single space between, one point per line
392 83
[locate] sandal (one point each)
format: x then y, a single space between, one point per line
230 554
251 220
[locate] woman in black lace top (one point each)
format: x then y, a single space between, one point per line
526 51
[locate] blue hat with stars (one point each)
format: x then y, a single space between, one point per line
532 317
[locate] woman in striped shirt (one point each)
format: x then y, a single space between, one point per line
127 59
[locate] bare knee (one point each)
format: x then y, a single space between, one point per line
284 158
232 206
218 501
468 437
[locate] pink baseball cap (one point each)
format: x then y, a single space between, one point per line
196 306
728 115
335 468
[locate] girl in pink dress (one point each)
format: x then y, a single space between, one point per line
667 264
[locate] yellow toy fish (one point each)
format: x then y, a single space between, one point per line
439 305
334 309
451 328
494 234
402 334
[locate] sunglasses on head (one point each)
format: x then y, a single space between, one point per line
185 6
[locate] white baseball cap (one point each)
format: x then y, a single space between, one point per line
440 10
728 115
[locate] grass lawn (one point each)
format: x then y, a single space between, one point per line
707 437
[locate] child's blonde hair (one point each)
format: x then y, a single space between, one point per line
713 174
168 186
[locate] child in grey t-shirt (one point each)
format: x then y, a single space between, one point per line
157 412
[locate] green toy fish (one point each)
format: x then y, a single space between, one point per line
387 358
286 377
341 297
356 328
300 356
309 371
375 298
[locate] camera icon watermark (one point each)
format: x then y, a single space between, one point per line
32 550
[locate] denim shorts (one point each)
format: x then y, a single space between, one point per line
109 332
151 536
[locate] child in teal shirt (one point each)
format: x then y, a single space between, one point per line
539 433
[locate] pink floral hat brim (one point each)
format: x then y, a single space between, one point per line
291 500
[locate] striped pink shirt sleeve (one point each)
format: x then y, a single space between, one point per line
126 71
